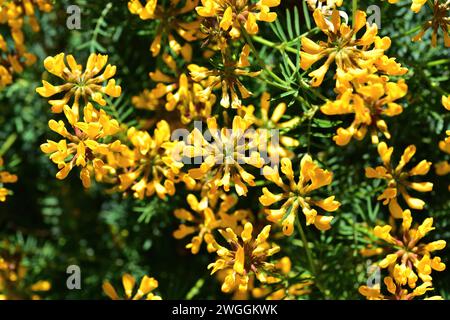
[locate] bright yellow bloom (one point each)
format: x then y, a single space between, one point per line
343 48
227 78
404 251
5 177
369 103
170 24
397 179
144 291
440 20
15 15
85 86
149 167
224 155
298 195
247 256
83 147
207 216
233 15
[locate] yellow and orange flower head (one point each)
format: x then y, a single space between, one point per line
232 16
15 15
226 155
85 144
227 78
325 6
398 179
407 259
416 5
177 93
172 24
144 291
5 177
246 256
148 168
370 102
82 86
298 195
365 54
206 216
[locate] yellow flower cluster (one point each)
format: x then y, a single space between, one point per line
361 89
5 177
144 292
13 51
407 260
398 179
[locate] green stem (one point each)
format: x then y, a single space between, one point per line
305 244
354 9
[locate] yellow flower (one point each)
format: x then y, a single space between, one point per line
207 217
15 15
297 195
5 177
149 168
397 179
440 20
83 147
145 289
325 6
406 258
369 103
227 78
443 167
343 48
247 256
232 16
84 86
224 155
170 24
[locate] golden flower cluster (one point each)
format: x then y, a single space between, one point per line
14 55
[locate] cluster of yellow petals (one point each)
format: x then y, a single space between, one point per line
349 53
407 260
372 99
5 177
298 195
398 179
247 256
82 86
232 16
16 14
210 213
144 291
224 155
171 26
